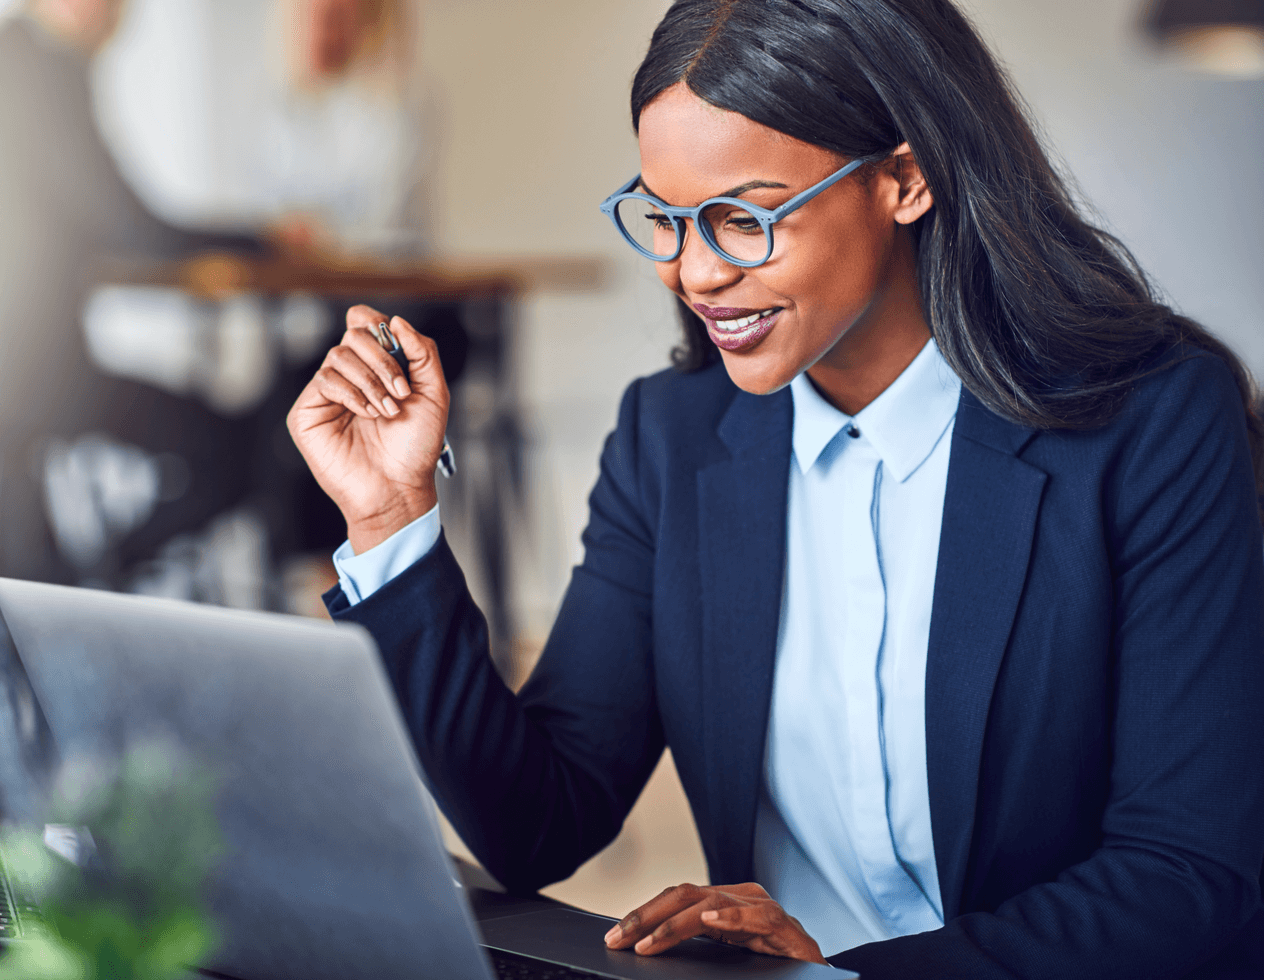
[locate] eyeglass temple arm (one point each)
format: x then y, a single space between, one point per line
801 199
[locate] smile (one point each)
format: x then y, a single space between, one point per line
740 333
733 326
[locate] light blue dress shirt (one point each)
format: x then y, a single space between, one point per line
362 575
843 835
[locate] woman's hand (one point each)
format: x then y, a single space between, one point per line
740 914
371 435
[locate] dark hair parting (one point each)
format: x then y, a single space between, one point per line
1047 319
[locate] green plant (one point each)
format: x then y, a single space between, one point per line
131 907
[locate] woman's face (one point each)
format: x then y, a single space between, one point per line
842 264
87 24
331 32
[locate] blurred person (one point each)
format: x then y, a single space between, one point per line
308 117
354 137
114 458
353 132
936 560
331 34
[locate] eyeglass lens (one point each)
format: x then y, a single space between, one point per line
734 230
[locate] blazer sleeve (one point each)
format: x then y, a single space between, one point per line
535 783
1176 874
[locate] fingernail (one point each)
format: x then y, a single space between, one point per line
613 935
401 388
373 411
391 408
710 916
644 944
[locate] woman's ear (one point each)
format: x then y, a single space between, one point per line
915 196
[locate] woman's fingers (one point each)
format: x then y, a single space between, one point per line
334 387
363 323
642 921
681 926
425 372
764 927
742 914
348 360
364 317
375 357
675 915
738 923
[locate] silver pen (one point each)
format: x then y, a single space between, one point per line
447 459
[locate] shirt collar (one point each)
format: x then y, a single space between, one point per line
903 424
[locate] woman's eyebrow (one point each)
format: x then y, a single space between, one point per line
732 192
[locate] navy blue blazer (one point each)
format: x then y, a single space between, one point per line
1094 681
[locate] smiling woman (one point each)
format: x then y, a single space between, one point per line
936 561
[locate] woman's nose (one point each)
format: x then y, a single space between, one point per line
701 269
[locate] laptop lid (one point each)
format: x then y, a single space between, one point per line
334 866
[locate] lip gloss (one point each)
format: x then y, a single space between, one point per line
743 339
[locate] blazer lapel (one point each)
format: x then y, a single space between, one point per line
990 507
742 519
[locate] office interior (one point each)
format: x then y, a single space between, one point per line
446 163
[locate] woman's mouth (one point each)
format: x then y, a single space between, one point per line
737 329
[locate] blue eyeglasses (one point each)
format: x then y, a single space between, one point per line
737 231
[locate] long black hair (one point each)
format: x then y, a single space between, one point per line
1047 319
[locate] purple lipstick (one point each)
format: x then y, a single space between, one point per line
737 328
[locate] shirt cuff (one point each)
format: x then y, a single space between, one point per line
362 575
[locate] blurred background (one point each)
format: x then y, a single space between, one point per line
193 191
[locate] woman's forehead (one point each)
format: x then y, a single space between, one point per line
692 150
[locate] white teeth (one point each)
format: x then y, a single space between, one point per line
742 323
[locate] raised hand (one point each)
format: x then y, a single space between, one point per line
744 915
371 435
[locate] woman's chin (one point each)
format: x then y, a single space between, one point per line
753 377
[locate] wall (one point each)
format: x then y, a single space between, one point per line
1173 160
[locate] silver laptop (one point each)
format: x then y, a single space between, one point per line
334 867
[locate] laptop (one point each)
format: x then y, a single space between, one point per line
334 868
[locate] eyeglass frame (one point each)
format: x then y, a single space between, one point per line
763 216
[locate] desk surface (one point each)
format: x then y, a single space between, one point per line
213 275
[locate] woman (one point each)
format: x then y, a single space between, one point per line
955 640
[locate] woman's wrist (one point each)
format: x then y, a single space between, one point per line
370 530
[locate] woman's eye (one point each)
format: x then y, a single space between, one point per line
660 221
739 221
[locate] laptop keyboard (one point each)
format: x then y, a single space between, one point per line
9 922
19 915
510 966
